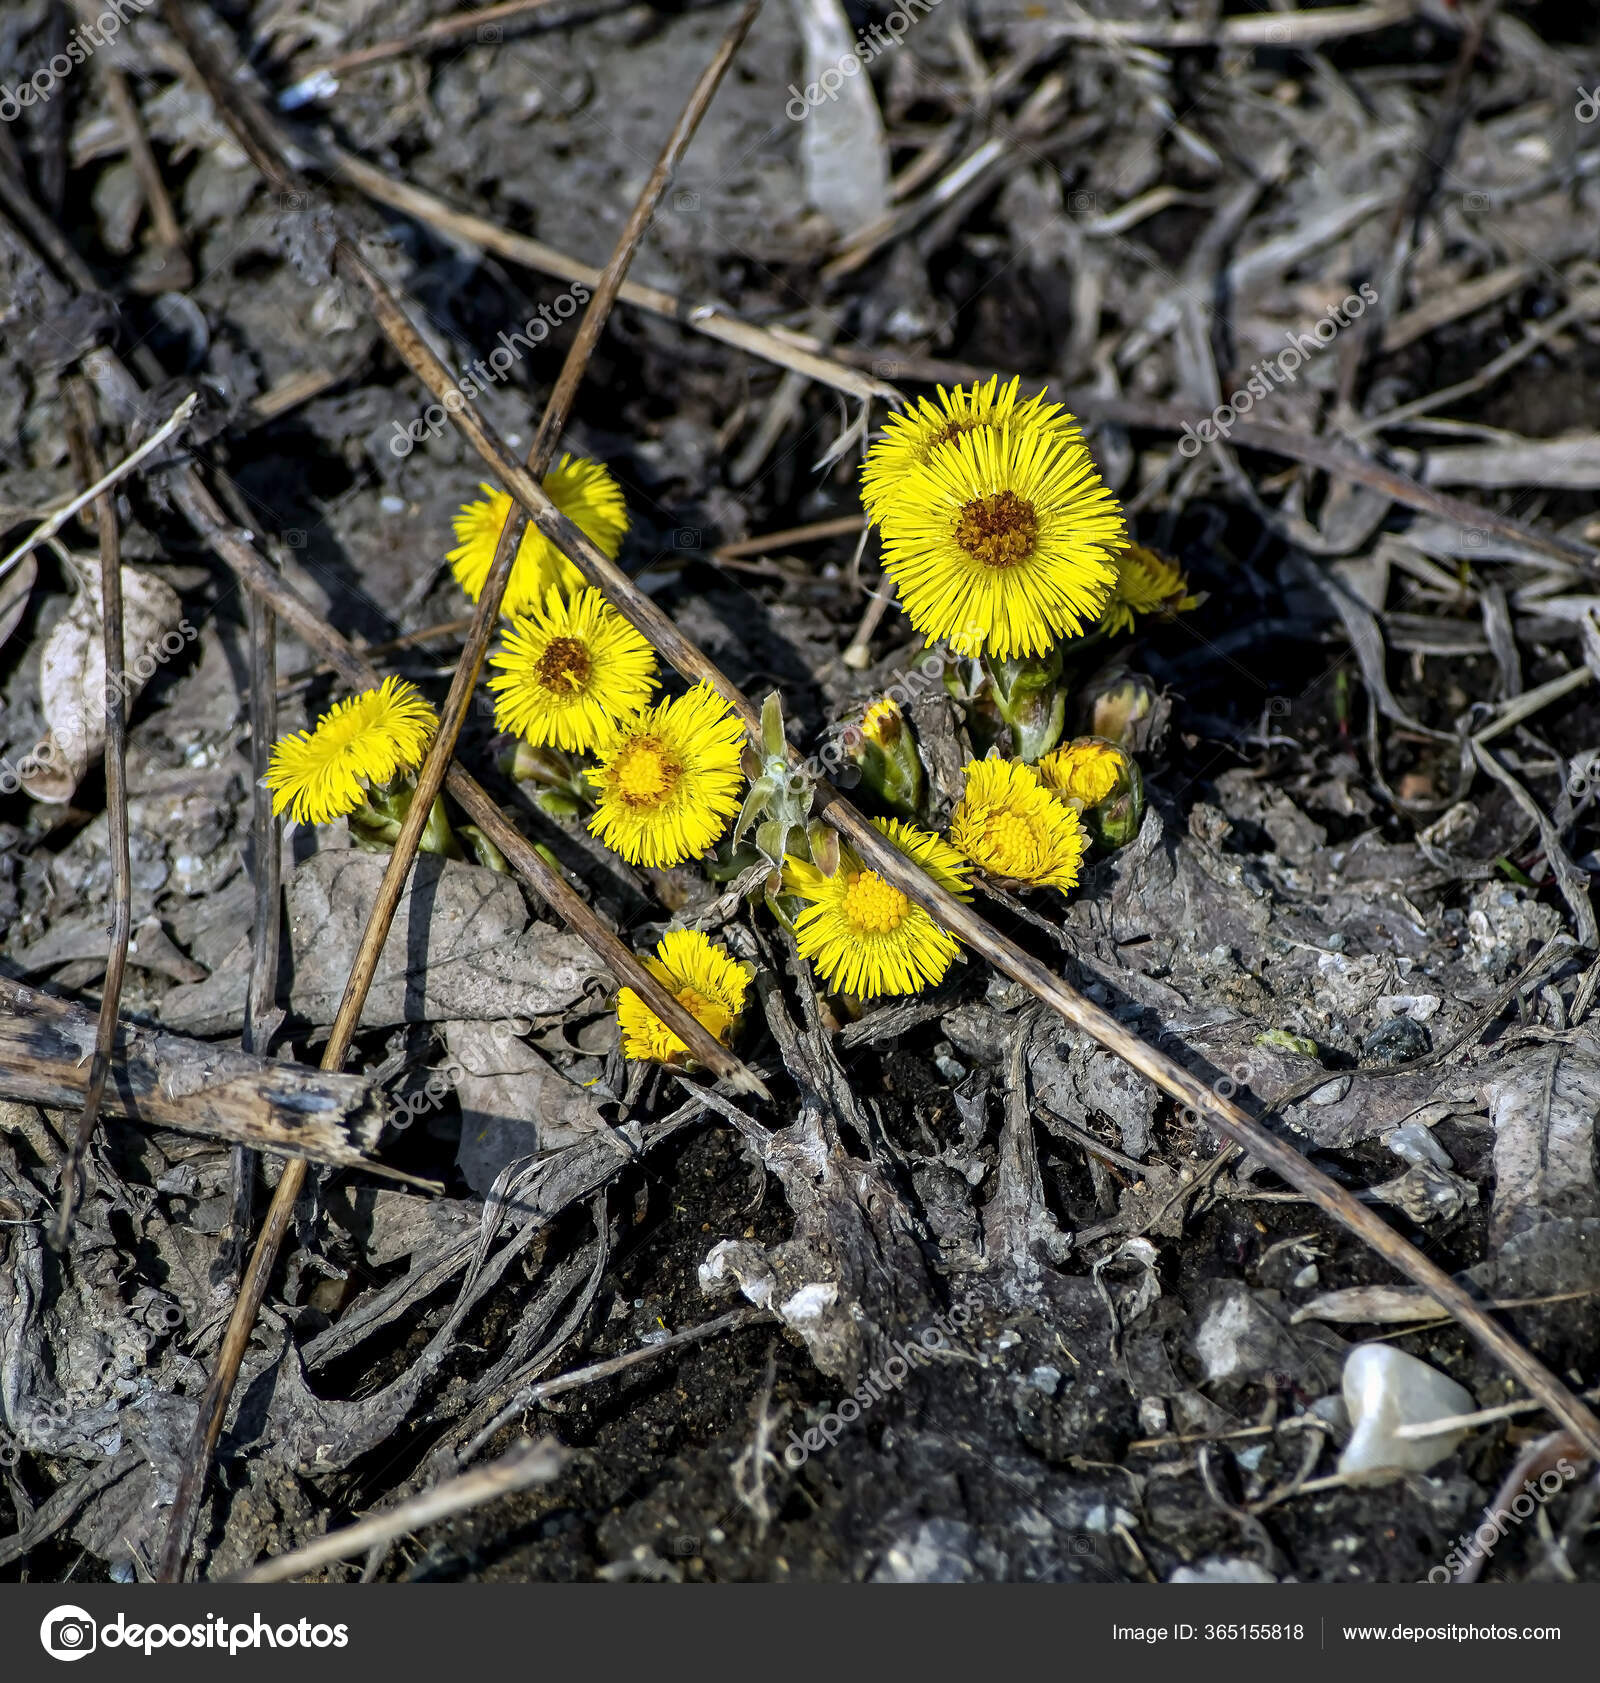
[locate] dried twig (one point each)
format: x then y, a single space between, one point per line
1256 29
81 409
261 1012
172 270
527 1464
418 40
170 1081
48 528
744 1316
788 350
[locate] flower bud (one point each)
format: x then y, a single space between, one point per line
884 748
1102 783
1125 708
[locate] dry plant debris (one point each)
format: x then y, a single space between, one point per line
1275 782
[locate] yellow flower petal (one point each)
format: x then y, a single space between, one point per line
1012 827
1147 583
706 979
1083 772
583 491
861 933
1002 542
668 779
364 741
566 671
909 437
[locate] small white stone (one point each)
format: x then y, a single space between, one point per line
1330 1092
1306 1278
1385 1388
1223 1572
1415 1144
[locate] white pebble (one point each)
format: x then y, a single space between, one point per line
1385 1388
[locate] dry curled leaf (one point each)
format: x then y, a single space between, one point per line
72 672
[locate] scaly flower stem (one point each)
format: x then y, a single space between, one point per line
1030 698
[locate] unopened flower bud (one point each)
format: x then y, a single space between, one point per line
1124 707
1102 783
884 748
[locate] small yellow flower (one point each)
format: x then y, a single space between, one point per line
668 779
361 742
1003 542
861 933
883 724
1011 826
583 491
707 980
910 436
1082 773
566 671
1147 583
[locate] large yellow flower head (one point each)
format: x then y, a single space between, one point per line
589 497
1002 542
361 742
910 436
565 671
1083 772
668 779
1012 827
1147 583
861 933
707 980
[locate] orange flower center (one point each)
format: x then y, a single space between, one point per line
564 667
998 531
873 906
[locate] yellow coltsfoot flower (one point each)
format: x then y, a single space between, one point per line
706 979
668 779
1002 542
1013 828
1102 783
566 670
584 491
359 743
1147 583
862 935
909 436
1083 772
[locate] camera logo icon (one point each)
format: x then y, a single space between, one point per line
68 1633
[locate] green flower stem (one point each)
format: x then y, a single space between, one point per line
1031 699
